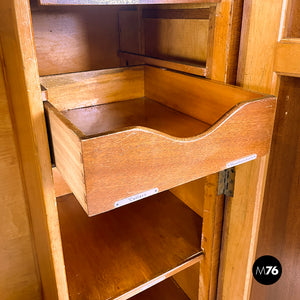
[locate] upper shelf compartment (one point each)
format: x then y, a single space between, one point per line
121 2
122 134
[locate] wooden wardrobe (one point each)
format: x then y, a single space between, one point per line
176 136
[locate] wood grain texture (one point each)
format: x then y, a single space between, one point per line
250 121
176 39
114 253
280 225
279 230
240 230
255 60
224 45
129 30
211 238
60 186
191 194
135 59
19 275
119 2
293 23
73 39
25 104
287 55
178 35
75 90
102 119
188 281
168 289
255 71
205 100
68 156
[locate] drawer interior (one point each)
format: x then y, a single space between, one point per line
101 119
119 132
97 102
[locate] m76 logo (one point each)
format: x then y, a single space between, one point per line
267 270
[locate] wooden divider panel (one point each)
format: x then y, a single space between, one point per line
82 89
202 99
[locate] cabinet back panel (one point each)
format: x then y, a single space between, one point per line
72 39
179 39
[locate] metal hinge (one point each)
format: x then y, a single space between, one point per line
226 182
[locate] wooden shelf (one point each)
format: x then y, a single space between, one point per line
120 253
169 64
166 290
120 2
143 145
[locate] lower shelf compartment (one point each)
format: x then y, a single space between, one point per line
165 290
120 253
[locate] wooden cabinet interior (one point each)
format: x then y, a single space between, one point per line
120 253
172 38
74 26
76 39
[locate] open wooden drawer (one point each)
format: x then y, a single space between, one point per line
123 134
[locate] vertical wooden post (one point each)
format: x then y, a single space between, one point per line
243 211
25 103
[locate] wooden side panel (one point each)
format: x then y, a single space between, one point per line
25 103
60 186
188 280
261 21
95 87
256 64
68 155
177 39
73 39
192 195
211 238
19 276
204 100
224 41
280 225
240 230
